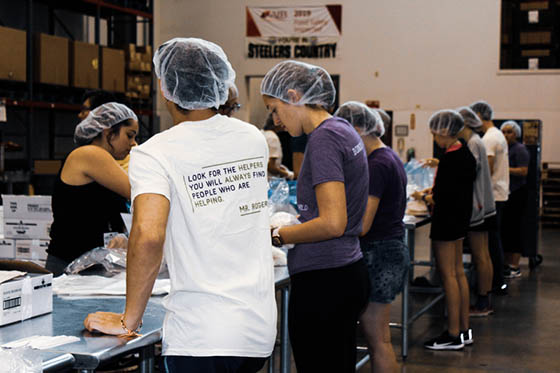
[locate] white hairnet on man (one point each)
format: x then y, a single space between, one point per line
102 117
313 84
483 108
194 73
514 126
446 123
365 120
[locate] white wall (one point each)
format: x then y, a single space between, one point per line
429 55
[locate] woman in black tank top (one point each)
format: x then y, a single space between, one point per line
91 189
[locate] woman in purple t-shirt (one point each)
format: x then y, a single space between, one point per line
382 243
329 280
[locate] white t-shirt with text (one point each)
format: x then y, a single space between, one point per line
496 146
217 244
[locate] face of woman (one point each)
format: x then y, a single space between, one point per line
442 141
284 115
124 140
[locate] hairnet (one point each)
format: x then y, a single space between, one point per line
100 118
194 73
384 116
469 117
313 83
366 121
446 123
483 108
514 126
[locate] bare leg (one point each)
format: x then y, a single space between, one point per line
463 286
375 323
446 263
481 256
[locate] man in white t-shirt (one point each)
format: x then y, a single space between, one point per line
497 152
199 194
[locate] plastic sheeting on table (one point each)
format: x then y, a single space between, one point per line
99 285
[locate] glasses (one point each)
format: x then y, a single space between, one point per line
235 107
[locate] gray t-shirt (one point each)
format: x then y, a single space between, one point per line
334 152
483 198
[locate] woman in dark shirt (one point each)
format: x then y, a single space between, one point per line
91 189
382 240
451 199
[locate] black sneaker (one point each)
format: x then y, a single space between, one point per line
467 337
445 342
512 272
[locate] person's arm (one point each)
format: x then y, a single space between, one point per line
98 165
143 262
276 169
369 215
491 164
519 171
332 219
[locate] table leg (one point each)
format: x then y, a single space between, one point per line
285 356
409 240
147 359
271 362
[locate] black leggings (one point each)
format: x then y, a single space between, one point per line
512 221
322 317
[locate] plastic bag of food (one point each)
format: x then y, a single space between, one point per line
21 359
112 260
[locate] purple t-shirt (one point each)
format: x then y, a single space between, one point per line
518 157
387 181
335 152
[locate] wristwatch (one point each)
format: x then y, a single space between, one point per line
276 238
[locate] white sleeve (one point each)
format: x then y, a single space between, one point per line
274 146
147 175
491 145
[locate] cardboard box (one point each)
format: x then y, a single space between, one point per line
27 229
47 166
13 48
25 297
112 69
7 249
27 207
51 59
84 65
31 249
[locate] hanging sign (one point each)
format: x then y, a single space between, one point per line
293 32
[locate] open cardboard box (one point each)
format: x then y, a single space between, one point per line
27 296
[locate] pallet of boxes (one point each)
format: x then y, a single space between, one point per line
138 72
27 225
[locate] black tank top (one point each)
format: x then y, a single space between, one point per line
82 214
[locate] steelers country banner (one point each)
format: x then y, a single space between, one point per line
293 32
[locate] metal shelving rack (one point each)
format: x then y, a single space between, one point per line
31 95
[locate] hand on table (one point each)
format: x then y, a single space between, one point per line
105 322
417 195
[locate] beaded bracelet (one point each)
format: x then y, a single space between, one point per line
129 332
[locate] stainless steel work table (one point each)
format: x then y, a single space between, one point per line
94 349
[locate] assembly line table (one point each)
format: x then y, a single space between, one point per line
94 349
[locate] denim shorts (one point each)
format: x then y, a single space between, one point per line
387 262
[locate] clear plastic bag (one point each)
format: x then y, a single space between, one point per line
283 219
21 359
419 177
112 260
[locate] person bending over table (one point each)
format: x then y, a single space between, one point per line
382 242
329 280
190 203
91 189
451 198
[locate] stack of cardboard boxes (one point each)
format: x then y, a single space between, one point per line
138 71
27 225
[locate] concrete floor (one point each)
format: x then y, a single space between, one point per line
522 335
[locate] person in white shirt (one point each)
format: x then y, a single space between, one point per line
497 152
275 166
199 194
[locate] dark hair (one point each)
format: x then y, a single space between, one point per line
98 98
113 131
269 123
